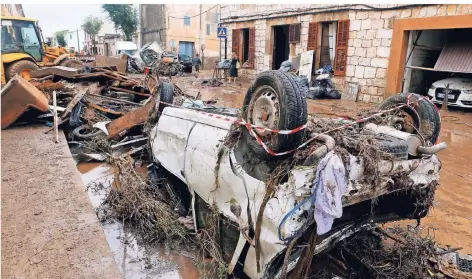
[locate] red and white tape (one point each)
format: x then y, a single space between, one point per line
250 127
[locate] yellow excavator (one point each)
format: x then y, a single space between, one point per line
24 49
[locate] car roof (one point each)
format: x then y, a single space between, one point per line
18 18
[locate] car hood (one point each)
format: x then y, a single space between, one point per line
455 83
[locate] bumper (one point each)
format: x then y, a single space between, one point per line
464 100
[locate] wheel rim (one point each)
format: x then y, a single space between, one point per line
26 74
264 109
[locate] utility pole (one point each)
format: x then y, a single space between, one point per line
219 25
78 44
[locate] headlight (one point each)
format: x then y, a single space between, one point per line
467 91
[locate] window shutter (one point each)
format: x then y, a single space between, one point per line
235 42
252 47
294 33
312 36
341 48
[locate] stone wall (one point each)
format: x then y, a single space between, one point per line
369 42
370 38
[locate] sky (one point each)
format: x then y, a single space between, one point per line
57 17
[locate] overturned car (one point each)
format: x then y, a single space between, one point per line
285 184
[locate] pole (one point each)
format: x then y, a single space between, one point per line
226 48
78 45
54 102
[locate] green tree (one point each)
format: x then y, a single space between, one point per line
60 38
92 26
124 17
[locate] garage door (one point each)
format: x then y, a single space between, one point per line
456 55
186 48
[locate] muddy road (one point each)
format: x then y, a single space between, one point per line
451 217
133 259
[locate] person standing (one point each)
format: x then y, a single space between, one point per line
197 62
233 69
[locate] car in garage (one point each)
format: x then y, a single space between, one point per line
459 91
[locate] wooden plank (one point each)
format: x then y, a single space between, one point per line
95 106
129 91
77 99
120 64
129 120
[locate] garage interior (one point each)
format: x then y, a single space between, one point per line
434 55
281 45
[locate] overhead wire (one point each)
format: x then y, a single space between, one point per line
332 8
196 15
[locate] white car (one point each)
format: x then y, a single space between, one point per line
460 91
188 148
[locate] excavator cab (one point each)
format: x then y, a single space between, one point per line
23 49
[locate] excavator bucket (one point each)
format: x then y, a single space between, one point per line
17 96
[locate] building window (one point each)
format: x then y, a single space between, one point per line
328 43
208 29
187 20
333 45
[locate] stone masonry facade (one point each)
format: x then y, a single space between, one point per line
370 36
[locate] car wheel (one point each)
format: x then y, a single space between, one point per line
84 132
166 95
23 68
429 124
275 102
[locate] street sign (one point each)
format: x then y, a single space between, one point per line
222 32
172 43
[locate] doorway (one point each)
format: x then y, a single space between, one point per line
186 48
437 55
281 47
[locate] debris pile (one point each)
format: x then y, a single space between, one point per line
108 116
388 253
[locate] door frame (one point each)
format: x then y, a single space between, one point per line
400 39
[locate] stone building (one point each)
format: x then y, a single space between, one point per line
181 28
375 50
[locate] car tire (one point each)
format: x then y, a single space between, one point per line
430 121
85 133
166 94
23 68
283 90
